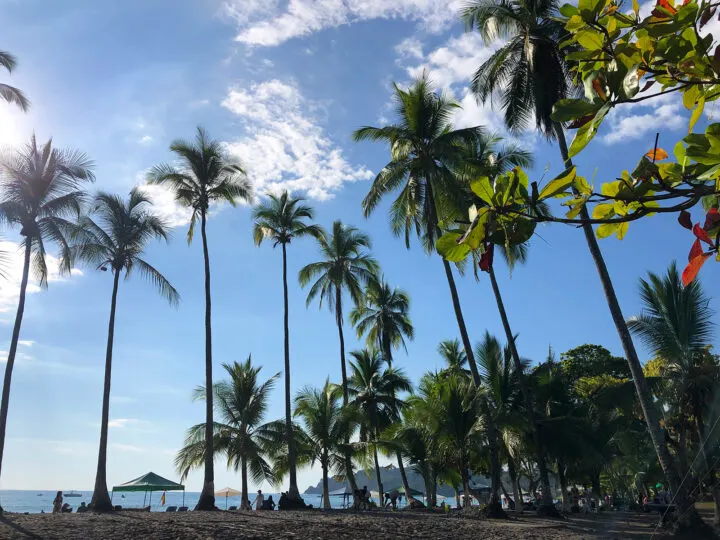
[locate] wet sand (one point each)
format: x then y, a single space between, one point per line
377 525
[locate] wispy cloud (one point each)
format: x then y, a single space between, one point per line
122 399
285 147
135 424
641 120
267 23
25 343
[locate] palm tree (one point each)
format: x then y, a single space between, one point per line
279 220
676 325
327 425
454 356
531 75
10 93
425 152
40 190
374 393
207 176
117 242
345 266
240 435
382 314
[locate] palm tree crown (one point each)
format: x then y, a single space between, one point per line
207 175
346 265
529 72
119 235
382 314
41 191
425 151
280 219
10 93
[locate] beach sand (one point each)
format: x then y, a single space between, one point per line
317 524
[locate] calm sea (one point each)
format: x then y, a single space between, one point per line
37 501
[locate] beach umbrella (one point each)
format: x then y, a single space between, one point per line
227 492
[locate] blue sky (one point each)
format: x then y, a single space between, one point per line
284 86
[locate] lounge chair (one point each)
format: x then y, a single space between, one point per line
182 509
171 509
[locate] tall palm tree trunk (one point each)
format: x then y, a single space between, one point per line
207 496
461 322
403 475
339 319
547 504
688 515
13 349
326 488
494 506
517 491
293 491
244 497
381 493
562 478
100 501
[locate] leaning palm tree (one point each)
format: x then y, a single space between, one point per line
280 220
10 93
346 266
206 176
40 190
327 425
531 75
382 314
116 240
425 152
374 393
239 436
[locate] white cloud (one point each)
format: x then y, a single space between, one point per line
285 147
127 448
640 120
10 287
19 357
409 48
146 140
265 23
165 205
123 423
122 399
451 68
25 343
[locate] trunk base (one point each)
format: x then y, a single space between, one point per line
100 502
549 510
207 498
288 502
494 510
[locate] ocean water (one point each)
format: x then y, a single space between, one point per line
41 501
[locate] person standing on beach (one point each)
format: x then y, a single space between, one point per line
259 500
57 503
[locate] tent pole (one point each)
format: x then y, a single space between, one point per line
144 498
183 496
150 501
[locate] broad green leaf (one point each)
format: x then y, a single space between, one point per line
558 184
592 40
713 172
636 7
513 231
695 116
483 189
610 189
475 236
622 230
582 186
602 211
574 23
586 133
606 229
568 10
577 206
566 110
447 246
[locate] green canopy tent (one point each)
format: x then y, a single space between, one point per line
148 483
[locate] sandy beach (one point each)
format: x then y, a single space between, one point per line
318 524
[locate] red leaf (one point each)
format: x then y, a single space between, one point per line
716 59
695 251
667 8
684 220
706 16
700 233
580 122
597 85
486 259
686 2
692 269
712 219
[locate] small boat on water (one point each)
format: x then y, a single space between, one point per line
72 494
